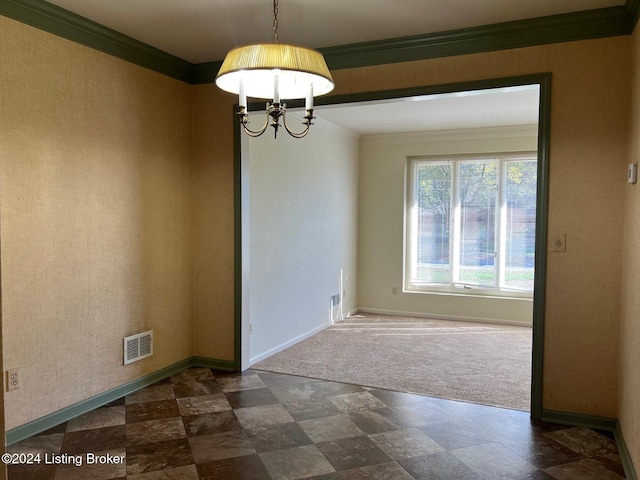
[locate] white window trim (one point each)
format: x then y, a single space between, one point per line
410 244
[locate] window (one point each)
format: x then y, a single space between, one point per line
471 224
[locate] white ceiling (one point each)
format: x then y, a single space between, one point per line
498 107
204 30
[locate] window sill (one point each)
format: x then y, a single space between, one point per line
471 292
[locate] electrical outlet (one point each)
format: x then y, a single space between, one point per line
559 242
13 380
335 300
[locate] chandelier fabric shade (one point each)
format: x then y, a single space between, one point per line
298 69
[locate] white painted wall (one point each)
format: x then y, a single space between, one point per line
381 216
302 232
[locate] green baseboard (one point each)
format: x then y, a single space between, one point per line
596 423
579 420
204 362
51 420
625 456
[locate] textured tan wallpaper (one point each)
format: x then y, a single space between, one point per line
629 411
213 274
590 102
589 140
3 467
95 201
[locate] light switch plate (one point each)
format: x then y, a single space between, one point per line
632 174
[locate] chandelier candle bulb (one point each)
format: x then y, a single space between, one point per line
276 89
242 101
309 102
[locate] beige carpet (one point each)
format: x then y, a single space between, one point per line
473 362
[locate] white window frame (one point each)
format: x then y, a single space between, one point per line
411 211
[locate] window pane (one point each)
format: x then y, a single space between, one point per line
521 224
433 191
478 191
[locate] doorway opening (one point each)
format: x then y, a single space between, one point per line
290 272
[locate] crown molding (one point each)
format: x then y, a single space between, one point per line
451 136
633 10
598 23
604 22
205 72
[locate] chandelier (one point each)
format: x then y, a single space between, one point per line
275 71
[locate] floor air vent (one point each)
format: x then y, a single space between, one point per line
137 347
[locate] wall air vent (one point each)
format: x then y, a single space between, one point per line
137 347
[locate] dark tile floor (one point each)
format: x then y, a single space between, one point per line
203 424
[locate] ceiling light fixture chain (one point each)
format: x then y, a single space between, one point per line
275 71
275 21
